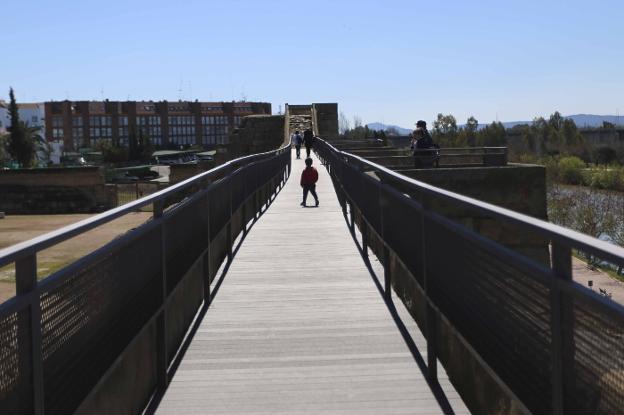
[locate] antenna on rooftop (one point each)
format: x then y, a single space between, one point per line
102 93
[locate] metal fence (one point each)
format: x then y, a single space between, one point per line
101 333
551 345
128 192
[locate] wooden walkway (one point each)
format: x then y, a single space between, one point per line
298 326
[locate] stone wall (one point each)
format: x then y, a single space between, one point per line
299 109
180 172
325 118
55 190
257 134
521 188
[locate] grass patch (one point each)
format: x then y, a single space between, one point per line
606 269
45 269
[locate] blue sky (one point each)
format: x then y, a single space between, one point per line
389 61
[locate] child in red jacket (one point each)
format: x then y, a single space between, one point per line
309 177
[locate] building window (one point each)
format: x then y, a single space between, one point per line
34 119
122 130
77 129
150 127
182 129
57 127
215 130
100 130
237 121
212 108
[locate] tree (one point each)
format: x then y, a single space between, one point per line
556 120
445 125
608 125
617 229
492 135
343 123
21 145
357 121
445 130
594 216
469 136
604 155
4 154
472 124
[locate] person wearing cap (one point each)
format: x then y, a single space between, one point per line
424 154
422 136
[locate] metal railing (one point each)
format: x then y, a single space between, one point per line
100 334
521 327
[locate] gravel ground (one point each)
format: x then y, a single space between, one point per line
18 228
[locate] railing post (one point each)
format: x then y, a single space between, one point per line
26 284
562 321
385 250
430 311
228 229
162 378
207 268
365 238
351 217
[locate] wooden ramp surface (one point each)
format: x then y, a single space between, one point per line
299 327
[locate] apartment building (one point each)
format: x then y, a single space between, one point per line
30 113
79 124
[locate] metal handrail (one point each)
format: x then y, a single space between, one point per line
568 319
15 252
26 331
573 238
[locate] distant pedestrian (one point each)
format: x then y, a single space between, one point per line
297 140
426 152
309 177
308 141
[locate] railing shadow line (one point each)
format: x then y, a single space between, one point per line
154 402
435 387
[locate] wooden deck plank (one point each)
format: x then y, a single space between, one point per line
298 327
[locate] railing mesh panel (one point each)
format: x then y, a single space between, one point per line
502 312
402 232
219 197
186 238
15 386
365 194
237 186
89 318
598 362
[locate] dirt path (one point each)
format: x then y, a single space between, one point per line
583 275
15 229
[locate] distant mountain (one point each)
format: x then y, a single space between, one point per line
590 120
581 121
385 127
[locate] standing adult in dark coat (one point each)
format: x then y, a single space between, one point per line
308 141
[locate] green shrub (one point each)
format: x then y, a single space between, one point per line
570 170
611 179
